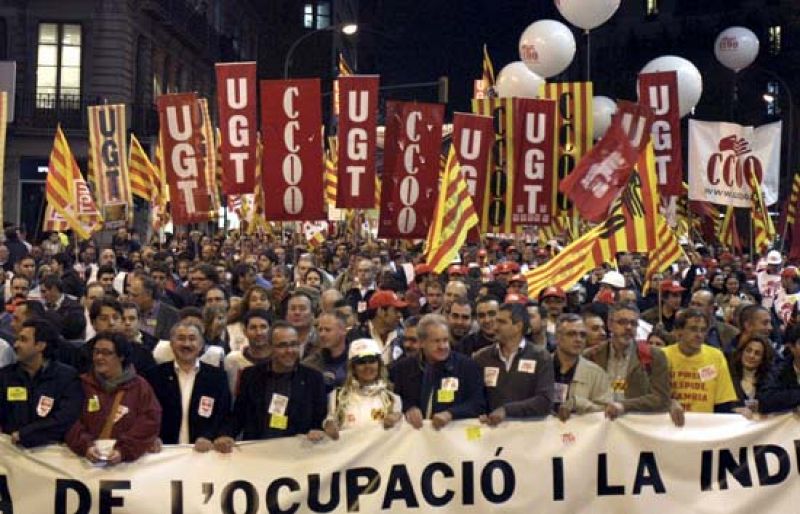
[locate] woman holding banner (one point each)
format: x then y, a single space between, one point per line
121 416
366 397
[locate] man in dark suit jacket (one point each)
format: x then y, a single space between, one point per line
68 310
278 397
156 317
199 419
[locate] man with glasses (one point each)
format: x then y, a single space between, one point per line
701 381
293 394
639 373
486 310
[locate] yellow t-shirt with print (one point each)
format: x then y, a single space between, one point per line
699 381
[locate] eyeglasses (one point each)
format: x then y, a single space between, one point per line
369 359
104 352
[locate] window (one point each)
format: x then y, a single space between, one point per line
317 15
775 39
58 70
651 7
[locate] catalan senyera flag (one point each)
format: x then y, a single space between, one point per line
66 191
728 234
343 66
3 122
559 226
631 225
666 252
487 69
53 222
763 229
453 216
567 267
794 197
143 173
495 213
330 179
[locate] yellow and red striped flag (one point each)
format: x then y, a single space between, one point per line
143 173
53 222
666 252
453 216
487 69
728 234
378 186
66 191
330 178
567 267
764 230
794 197
343 66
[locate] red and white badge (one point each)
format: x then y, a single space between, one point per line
526 366
707 373
560 392
490 375
449 384
206 407
278 404
44 406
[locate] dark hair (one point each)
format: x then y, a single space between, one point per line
34 309
518 312
766 362
622 306
159 266
148 284
219 288
208 271
336 314
595 309
45 332
129 305
106 301
495 288
792 335
63 259
748 313
106 268
280 324
411 322
685 315
568 317
122 346
190 311
257 313
52 281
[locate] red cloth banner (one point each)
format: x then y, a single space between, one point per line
181 123
473 137
602 173
358 118
291 116
411 169
534 141
659 91
237 103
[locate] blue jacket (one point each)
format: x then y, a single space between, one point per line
41 408
306 408
424 385
206 417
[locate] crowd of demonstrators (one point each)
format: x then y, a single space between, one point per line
116 349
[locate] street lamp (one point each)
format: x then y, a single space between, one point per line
348 29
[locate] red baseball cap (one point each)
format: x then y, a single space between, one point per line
672 286
552 291
789 272
502 268
386 298
482 252
516 298
517 278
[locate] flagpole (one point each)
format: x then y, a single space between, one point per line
752 240
588 56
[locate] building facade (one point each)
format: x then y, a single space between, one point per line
70 55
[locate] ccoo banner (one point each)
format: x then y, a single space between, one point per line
720 155
659 91
534 124
717 463
108 151
237 102
411 169
292 166
181 127
357 147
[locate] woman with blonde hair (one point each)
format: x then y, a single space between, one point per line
366 397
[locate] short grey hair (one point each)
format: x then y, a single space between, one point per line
186 324
427 322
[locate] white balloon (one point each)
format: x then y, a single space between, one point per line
690 82
736 48
516 80
547 47
603 108
587 14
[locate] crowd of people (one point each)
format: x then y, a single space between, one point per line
119 348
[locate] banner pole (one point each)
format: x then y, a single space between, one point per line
588 55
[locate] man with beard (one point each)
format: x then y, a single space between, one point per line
486 309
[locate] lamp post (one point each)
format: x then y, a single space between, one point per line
347 29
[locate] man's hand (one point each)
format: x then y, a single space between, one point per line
564 412
331 428
676 413
441 419
224 444
392 419
15 437
614 410
414 417
203 445
315 436
93 454
495 417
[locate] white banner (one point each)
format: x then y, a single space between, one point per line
638 463
719 154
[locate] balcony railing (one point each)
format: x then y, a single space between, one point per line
187 22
